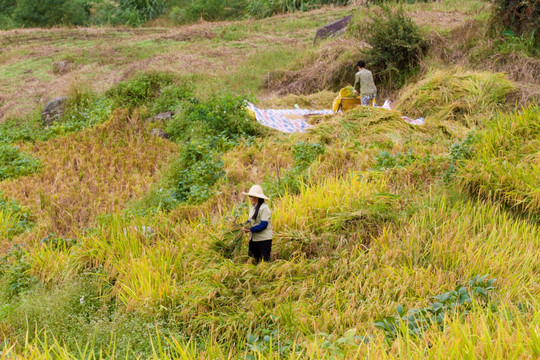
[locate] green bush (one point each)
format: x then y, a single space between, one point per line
170 98
396 44
520 16
148 9
223 115
139 90
46 13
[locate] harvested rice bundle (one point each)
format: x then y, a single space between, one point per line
229 242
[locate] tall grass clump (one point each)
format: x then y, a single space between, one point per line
396 45
456 94
505 165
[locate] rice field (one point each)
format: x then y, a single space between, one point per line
373 218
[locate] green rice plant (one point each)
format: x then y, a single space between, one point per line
456 94
505 166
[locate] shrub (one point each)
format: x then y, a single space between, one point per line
520 16
208 10
265 8
223 115
396 44
170 98
139 90
148 9
48 13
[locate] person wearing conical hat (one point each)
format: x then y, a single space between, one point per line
260 232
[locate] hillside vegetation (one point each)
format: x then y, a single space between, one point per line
391 240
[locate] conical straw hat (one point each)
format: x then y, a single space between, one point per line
256 191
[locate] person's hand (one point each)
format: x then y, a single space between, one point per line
355 92
245 230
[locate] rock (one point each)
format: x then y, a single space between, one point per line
62 67
162 117
53 110
159 133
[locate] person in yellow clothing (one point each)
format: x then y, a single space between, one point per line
260 232
364 84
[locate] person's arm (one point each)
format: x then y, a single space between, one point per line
357 83
263 225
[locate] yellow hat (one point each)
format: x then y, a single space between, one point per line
256 191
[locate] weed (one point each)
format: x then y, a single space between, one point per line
452 303
16 163
14 219
15 270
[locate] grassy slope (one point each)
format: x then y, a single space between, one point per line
355 242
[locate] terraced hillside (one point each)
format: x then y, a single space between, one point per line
391 240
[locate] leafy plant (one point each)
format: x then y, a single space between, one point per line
522 17
14 268
19 218
148 9
397 45
385 160
456 302
139 90
29 13
196 171
14 163
224 115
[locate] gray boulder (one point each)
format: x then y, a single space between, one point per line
54 110
159 133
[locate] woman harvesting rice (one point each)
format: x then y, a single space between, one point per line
260 232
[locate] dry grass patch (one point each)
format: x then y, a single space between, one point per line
90 173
